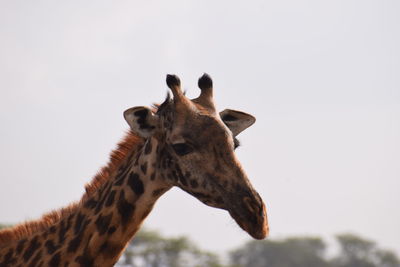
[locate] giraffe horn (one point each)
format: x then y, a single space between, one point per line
206 86
174 83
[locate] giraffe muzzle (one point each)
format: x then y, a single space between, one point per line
251 216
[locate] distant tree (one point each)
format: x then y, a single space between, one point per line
150 249
2 226
296 252
358 252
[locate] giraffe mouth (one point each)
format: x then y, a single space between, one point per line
249 214
253 221
245 206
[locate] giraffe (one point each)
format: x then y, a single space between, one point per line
182 142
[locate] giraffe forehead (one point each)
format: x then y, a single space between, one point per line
186 109
203 128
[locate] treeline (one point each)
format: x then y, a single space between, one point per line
150 249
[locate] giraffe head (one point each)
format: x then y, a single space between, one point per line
196 152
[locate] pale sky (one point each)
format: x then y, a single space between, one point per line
321 77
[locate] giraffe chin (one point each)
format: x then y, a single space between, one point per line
256 228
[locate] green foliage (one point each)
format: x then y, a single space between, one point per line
307 251
358 252
150 249
2 226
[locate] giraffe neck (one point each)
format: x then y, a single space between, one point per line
97 230
122 204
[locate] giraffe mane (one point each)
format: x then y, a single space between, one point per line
130 142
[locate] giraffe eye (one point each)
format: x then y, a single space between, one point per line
182 149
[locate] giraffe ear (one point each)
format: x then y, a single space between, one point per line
141 120
236 121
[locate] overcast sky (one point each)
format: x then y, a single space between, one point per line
321 77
